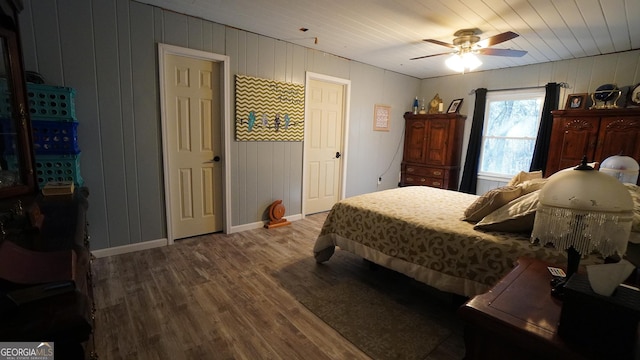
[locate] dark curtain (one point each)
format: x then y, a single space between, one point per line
540 152
470 172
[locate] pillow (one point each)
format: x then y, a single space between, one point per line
523 176
516 216
490 201
634 191
532 185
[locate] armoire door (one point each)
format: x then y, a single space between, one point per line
437 147
618 136
415 137
578 138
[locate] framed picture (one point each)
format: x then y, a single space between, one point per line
634 95
576 101
381 117
454 107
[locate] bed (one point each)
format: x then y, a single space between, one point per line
419 231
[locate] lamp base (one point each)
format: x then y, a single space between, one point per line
558 283
557 287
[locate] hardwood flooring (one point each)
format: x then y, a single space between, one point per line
215 297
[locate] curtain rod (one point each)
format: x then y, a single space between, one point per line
562 85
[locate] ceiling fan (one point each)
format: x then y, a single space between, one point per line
467 41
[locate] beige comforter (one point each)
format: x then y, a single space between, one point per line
417 231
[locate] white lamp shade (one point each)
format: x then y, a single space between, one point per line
584 209
460 63
454 62
623 168
587 190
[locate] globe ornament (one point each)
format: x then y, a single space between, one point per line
605 97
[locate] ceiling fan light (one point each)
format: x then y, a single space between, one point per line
454 62
471 61
465 62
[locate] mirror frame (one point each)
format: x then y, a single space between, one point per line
9 30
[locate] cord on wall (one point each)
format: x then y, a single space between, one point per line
394 156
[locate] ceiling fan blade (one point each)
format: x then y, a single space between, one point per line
427 56
497 39
438 42
502 52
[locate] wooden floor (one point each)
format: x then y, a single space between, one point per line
214 297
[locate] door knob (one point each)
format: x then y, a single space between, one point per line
216 158
338 154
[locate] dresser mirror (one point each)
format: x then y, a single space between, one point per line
17 174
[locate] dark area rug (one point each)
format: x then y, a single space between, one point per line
385 314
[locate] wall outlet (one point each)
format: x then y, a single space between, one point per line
379 180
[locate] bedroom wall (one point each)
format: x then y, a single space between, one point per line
583 75
107 51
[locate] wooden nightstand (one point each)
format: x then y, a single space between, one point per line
517 319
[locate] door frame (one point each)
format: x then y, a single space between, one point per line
346 84
225 131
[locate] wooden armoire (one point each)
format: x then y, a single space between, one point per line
432 150
596 134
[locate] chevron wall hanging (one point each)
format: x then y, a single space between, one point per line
268 110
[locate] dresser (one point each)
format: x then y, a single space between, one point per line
596 134
432 150
46 279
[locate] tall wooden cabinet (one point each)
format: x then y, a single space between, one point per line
432 150
596 134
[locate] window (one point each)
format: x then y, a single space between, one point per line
509 134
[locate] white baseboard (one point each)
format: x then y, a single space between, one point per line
259 224
117 250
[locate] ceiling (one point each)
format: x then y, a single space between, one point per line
387 33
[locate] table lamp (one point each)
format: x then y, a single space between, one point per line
582 211
623 168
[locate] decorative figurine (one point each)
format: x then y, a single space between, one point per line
276 213
434 104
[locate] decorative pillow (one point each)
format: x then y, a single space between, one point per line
490 201
516 216
523 176
634 191
532 185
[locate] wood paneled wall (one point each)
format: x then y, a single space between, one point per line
107 51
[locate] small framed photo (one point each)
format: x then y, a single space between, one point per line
454 107
576 101
381 117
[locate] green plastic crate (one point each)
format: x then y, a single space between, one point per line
58 168
46 102
54 168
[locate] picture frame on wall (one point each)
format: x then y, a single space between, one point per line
576 101
454 107
381 117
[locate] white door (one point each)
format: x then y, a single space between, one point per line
192 103
323 145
